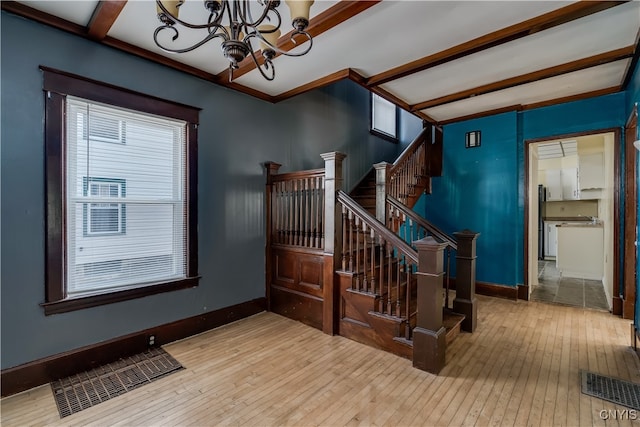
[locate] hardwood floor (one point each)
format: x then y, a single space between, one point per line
519 368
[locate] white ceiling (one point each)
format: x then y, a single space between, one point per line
394 33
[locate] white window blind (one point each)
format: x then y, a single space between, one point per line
383 115
125 206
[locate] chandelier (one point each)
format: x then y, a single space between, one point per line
232 22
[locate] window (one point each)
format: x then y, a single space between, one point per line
125 225
472 139
103 218
384 118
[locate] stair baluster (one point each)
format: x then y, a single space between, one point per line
365 282
381 245
357 269
351 220
390 273
408 314
345 226
373 262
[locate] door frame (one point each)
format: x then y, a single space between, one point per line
629 267
617 300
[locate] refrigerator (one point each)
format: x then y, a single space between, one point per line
542 197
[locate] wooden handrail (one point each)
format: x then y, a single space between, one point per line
411 148
403 247
440 235
311 173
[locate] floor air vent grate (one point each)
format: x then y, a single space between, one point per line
81 391
614 390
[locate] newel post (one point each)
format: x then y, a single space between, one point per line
429 335
271 168
382 181
465 302
333 182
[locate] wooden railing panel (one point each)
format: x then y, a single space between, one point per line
297 203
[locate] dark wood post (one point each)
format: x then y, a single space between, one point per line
465 302
382 180
429 335
332 240
271 168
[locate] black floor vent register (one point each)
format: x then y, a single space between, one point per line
81 391
614 390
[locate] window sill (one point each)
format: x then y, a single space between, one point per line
383 135
73 304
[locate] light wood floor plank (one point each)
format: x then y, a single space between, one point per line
526 346
521 367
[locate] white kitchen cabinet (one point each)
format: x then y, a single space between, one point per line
591 168
553 181
569 178
562 184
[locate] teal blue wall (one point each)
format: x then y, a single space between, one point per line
478 190
483 188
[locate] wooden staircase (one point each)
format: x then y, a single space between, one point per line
363 264
365 192
378 303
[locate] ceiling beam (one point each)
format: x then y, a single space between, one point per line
548 20
571 98
324 21
104 16
354 76
516 107
522 107
569 67
358 78
321 82
155 57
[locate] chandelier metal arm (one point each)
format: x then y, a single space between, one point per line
268 65
210 36
293 40
258 35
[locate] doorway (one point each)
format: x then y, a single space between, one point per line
571 220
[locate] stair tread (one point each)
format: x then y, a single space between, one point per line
451 319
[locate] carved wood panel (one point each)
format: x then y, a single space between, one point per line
296 285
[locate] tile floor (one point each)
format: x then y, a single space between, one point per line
552 287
